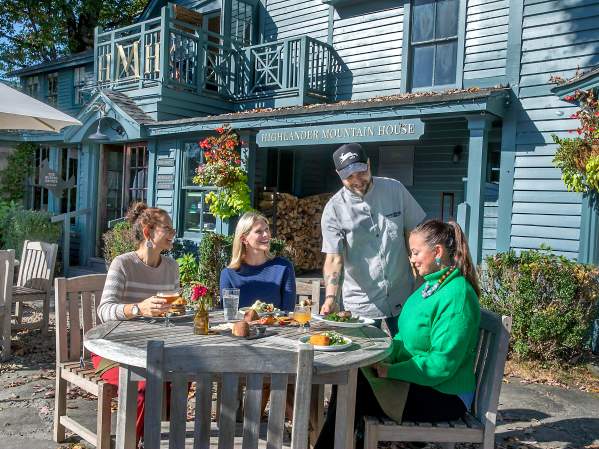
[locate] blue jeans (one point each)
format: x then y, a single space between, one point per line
391 324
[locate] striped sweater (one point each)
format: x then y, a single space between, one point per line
131 281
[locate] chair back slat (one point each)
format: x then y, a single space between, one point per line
495 336
228 411
276 415
203 411
7 262
192 363
178 416
251 417
37 265
76 302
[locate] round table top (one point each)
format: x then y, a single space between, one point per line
125 341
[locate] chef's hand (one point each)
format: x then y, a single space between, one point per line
329 306
381 369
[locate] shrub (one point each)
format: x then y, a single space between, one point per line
118 240
14 175
551 299
7 211
20 225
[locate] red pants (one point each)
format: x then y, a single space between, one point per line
112 377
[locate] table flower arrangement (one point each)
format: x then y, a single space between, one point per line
201 301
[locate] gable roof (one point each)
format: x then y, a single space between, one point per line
76 59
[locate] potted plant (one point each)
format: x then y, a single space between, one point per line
200 301
578 157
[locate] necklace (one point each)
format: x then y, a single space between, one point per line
429 289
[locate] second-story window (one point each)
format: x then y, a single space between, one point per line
78 83
242 15
32 86
53 88
434 43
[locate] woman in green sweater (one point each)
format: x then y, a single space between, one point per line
430 374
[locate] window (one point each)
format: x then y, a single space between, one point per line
434 43
53 88
38 195
136 173
79 81
242 15
196 216
32 86
68 170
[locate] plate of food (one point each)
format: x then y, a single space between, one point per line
327 341
261 308
343 319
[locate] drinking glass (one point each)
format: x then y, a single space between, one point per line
230 303
302 314
170 296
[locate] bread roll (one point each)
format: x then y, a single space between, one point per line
250 315
241 329
319 340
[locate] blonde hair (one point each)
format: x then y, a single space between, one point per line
243 228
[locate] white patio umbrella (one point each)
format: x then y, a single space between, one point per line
20 111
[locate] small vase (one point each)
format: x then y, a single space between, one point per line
201 320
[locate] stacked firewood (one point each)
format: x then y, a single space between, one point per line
297 222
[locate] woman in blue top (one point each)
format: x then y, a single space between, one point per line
254 270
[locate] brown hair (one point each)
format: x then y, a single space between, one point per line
452 238
141 216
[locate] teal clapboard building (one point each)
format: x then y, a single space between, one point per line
452 97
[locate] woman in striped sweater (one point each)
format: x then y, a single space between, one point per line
132 282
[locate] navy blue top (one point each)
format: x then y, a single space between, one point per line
272 282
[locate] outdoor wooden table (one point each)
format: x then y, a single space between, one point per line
125 343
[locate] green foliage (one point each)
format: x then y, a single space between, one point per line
215 254
20 225
7 211
34 32
14 175
118 240
552 301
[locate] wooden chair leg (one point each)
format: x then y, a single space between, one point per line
45 315
19 311
371 433
60 406
316 413
489 437
5 325
105 394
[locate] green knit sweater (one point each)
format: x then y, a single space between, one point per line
437 338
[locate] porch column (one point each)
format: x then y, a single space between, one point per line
589 230
248 157
478 126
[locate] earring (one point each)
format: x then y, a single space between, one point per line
149 244
438 261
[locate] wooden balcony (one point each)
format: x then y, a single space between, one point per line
180 55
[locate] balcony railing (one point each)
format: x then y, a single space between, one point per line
182 55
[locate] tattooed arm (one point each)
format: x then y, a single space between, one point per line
333 266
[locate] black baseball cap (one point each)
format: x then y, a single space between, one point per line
349 159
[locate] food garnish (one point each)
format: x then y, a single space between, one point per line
329 338
341 317
263 307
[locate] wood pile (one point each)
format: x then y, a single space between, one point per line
297 222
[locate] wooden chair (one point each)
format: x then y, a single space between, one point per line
77 300
250 364
305 289
36 273
7 260
478 427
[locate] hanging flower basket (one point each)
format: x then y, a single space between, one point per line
578 157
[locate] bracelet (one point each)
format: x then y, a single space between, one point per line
331 296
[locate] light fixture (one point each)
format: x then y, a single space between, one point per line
456 154
98 135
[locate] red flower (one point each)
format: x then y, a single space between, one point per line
220 130
569 98
198 291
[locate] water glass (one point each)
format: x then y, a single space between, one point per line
230 303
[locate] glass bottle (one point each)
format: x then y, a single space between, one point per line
200 320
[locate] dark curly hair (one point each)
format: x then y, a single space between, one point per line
141 216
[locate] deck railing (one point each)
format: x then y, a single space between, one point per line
182 55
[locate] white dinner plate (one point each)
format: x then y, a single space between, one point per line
188 314
361 321
332 348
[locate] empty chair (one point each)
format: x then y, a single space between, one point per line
36 273
249 364
76 302
476 427
7 261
